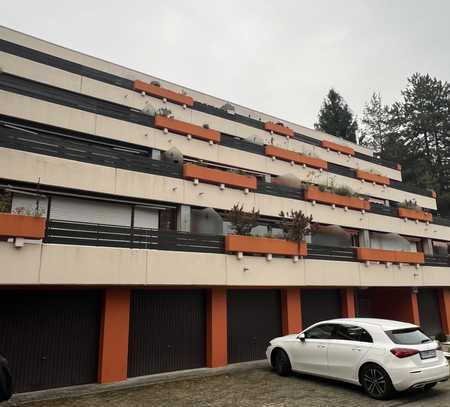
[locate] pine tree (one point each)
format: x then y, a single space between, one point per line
335 117
376 125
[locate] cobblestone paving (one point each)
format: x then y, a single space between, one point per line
256 387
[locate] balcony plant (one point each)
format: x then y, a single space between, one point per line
342 196
242 242
408 209
21 222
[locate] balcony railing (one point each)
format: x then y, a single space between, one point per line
95 234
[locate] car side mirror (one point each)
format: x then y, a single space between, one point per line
301 337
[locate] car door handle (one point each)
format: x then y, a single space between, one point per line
357 349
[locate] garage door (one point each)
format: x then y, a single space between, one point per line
167 331
319 305
430 317
50 338
254 318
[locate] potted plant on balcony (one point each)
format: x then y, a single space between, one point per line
241 242
408 209
296 225
342 196
21 222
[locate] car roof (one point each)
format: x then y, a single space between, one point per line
384 324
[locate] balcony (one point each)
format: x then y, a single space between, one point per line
93 234
30 227
279 129
415 215
187 129
263 245
292 156
163 93
219 177
371 177
313 194
389 256
337 147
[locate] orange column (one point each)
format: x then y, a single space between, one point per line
348 303
113 354
291 310
415 317
217 334
444 303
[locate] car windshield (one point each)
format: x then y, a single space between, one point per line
409 336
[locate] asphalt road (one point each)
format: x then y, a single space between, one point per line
255 387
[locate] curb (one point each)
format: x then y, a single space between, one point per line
131 383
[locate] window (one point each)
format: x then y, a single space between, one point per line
324 331
352 333
409 336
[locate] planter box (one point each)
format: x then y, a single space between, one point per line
192 171
314 194
264 245
337 147
413 214
391 256
277 128
161 93
288 155
368 176
31 227
183 128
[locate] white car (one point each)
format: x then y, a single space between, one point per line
380 355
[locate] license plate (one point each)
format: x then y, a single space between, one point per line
428 354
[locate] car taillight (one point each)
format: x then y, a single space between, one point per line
404 352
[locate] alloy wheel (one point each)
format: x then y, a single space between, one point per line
375 382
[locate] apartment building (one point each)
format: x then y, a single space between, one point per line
116 259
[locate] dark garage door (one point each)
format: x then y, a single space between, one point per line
430 317
319 305
50 338
167 331
254 318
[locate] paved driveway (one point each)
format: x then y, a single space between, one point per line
255 387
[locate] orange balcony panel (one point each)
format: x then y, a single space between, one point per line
279 129
31 227
192 171
264 245
314 194
161 93
413 214
368 176
391 256
183 128
288 155
337 147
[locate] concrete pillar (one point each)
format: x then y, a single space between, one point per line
427 246
348 303
184 218
115 319
217 333
444 305
291 311
364 238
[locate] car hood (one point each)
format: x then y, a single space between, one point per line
284 338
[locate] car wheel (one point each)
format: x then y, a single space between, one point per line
376 382
429 386
281 364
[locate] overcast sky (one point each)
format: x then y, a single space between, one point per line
279 57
